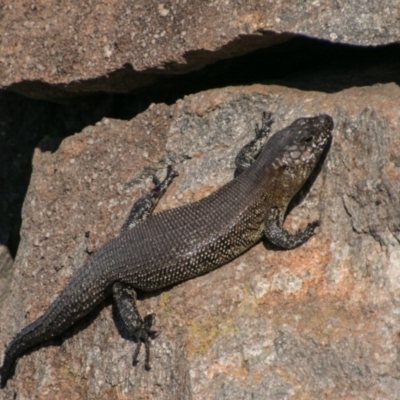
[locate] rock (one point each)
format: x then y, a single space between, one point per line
6 264
320 321
53 50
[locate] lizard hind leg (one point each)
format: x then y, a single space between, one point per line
146 204
125 299
248 154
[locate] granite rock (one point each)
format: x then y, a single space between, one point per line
58 50
320 321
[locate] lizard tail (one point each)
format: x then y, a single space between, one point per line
74 302
38 331
27 338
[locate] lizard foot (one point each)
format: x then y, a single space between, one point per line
266 124
310 228
144 334
145 205
171 174
302 236
280 237
248 154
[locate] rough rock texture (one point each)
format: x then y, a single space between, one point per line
321 321
117 46
6 264
23 124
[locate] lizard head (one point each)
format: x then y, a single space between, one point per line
293 152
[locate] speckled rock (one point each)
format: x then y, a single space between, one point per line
49 49
6 263
320 321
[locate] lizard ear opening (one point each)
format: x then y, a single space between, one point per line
308 139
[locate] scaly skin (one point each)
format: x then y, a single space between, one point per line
155 251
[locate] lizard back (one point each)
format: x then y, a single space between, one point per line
177 244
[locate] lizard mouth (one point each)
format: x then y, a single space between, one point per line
326 122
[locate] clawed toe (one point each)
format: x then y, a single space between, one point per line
266 124
148 322
156 181
313 225
144 335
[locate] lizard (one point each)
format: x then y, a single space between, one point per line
154 251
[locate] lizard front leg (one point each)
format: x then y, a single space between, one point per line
146 204
125 299
280 237
248 154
